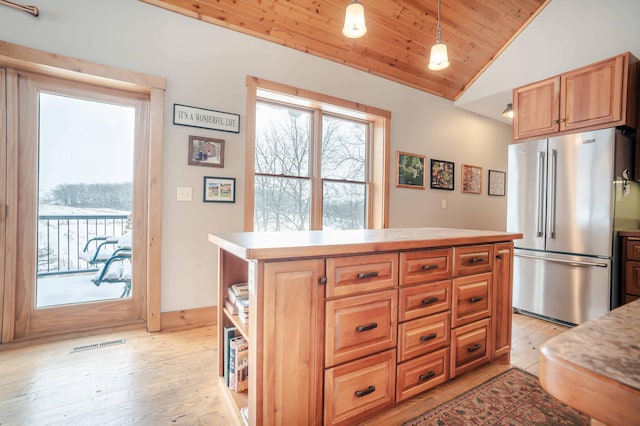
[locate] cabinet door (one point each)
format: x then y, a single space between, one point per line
592 95
286 348
536 109
471 298
361 274
632 278
425 266
360 325
502 293
356 389
470 346
469 260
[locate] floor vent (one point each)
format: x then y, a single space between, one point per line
97 345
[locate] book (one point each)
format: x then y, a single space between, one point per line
231 307
238 290
243 304
229 332
241 365
243 316
237 345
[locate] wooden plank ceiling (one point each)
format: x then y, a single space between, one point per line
399 36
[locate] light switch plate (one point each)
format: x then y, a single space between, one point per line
184 194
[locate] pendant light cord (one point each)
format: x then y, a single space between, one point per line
438 31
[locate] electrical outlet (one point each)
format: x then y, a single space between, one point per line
444 204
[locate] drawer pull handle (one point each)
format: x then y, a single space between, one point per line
429 267
428 337
368 327
475 299
367 391
498 256
474 347
367 275
429 375
430 300
476 260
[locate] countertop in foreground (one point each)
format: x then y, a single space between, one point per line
595 367
278 245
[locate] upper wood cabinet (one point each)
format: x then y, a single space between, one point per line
600 95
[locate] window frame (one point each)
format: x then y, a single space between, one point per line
377 190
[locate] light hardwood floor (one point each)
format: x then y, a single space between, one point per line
170 378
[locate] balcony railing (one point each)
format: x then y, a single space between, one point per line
61 239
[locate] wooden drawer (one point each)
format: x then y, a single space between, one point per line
471 299
425 299
360 325
423 335
356 389
425 266
360 274
632 249
420 374
469 260
632 278
469 346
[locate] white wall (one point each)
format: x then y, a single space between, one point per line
206 66
567 34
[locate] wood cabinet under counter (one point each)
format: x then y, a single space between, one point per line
349 323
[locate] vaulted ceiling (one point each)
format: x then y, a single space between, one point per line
399 36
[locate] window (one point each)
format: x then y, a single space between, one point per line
315 163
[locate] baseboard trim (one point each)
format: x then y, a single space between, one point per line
189 318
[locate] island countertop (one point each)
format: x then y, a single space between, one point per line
298 244
595 367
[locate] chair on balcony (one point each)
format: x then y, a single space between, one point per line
113 254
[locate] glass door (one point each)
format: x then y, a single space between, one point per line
77 206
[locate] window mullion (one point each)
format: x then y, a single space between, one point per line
316 171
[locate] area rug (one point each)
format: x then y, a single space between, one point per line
514 397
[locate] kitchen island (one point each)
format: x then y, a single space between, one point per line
595 367
345 324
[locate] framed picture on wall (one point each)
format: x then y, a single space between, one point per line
206 151
471 179
219 190
410 169
442 174
497 182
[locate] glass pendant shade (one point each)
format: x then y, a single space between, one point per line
508 111
439 59
354 25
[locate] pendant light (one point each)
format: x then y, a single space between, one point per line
508 111
354 25
439 59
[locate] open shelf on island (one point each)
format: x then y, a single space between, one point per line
235 320
235 400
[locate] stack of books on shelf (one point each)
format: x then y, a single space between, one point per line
238 301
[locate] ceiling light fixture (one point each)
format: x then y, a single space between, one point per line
354 25
439 59
508 112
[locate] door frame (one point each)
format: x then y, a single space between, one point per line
17 59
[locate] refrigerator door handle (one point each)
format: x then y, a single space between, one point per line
554 184
569 262
541 174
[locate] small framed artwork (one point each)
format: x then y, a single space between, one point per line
497 181
442 174
410 168
206 151
219 190
471 179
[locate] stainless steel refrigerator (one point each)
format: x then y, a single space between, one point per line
568 196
